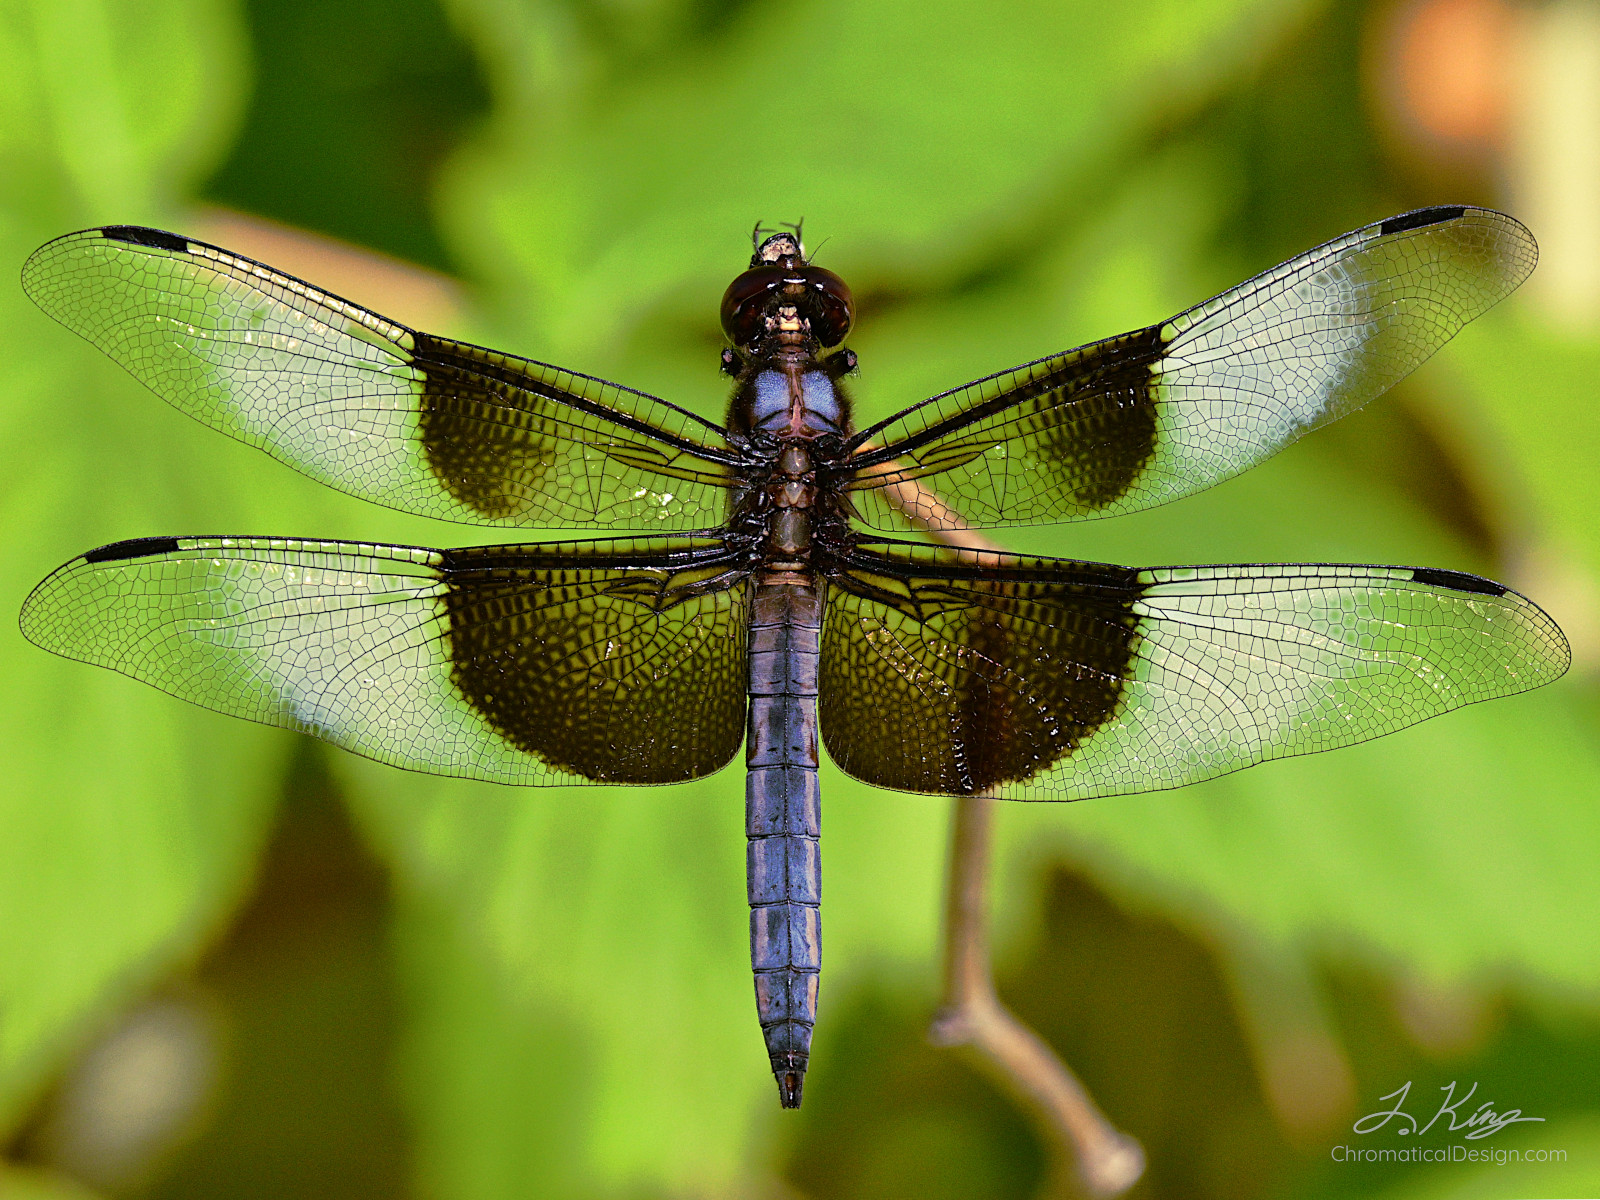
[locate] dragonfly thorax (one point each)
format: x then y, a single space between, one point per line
798 401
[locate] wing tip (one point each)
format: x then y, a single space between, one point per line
1507 227
1558 657
40 617
37 267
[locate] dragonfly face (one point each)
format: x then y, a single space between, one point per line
751 602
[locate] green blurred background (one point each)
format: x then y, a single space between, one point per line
234 963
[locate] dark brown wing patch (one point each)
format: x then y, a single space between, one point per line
614 673
1071 433
957 684
1096 445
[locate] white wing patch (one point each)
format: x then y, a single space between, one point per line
336 639
247 350
1237 665
1254 369
284 363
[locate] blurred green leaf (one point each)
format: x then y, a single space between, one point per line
355 102
111 108
129 822
921 136
1537 438
499 1086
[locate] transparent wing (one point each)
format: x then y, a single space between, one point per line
1047 679
1161 413
368 406
605 662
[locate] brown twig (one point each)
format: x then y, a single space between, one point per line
1087 1153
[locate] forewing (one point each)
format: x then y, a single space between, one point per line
366 405
1054 680
1166 411
553 664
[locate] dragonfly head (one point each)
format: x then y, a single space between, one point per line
784 297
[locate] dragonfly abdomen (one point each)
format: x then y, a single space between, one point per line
782 821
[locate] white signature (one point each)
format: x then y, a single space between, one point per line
1481 1122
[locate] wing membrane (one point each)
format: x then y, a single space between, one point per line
1161 413
1048 679
366 405
556 664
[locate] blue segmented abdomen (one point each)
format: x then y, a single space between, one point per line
782 823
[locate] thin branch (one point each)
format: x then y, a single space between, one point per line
1087 1153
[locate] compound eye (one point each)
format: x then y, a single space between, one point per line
832 308
745 301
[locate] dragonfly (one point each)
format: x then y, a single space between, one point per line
778 581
